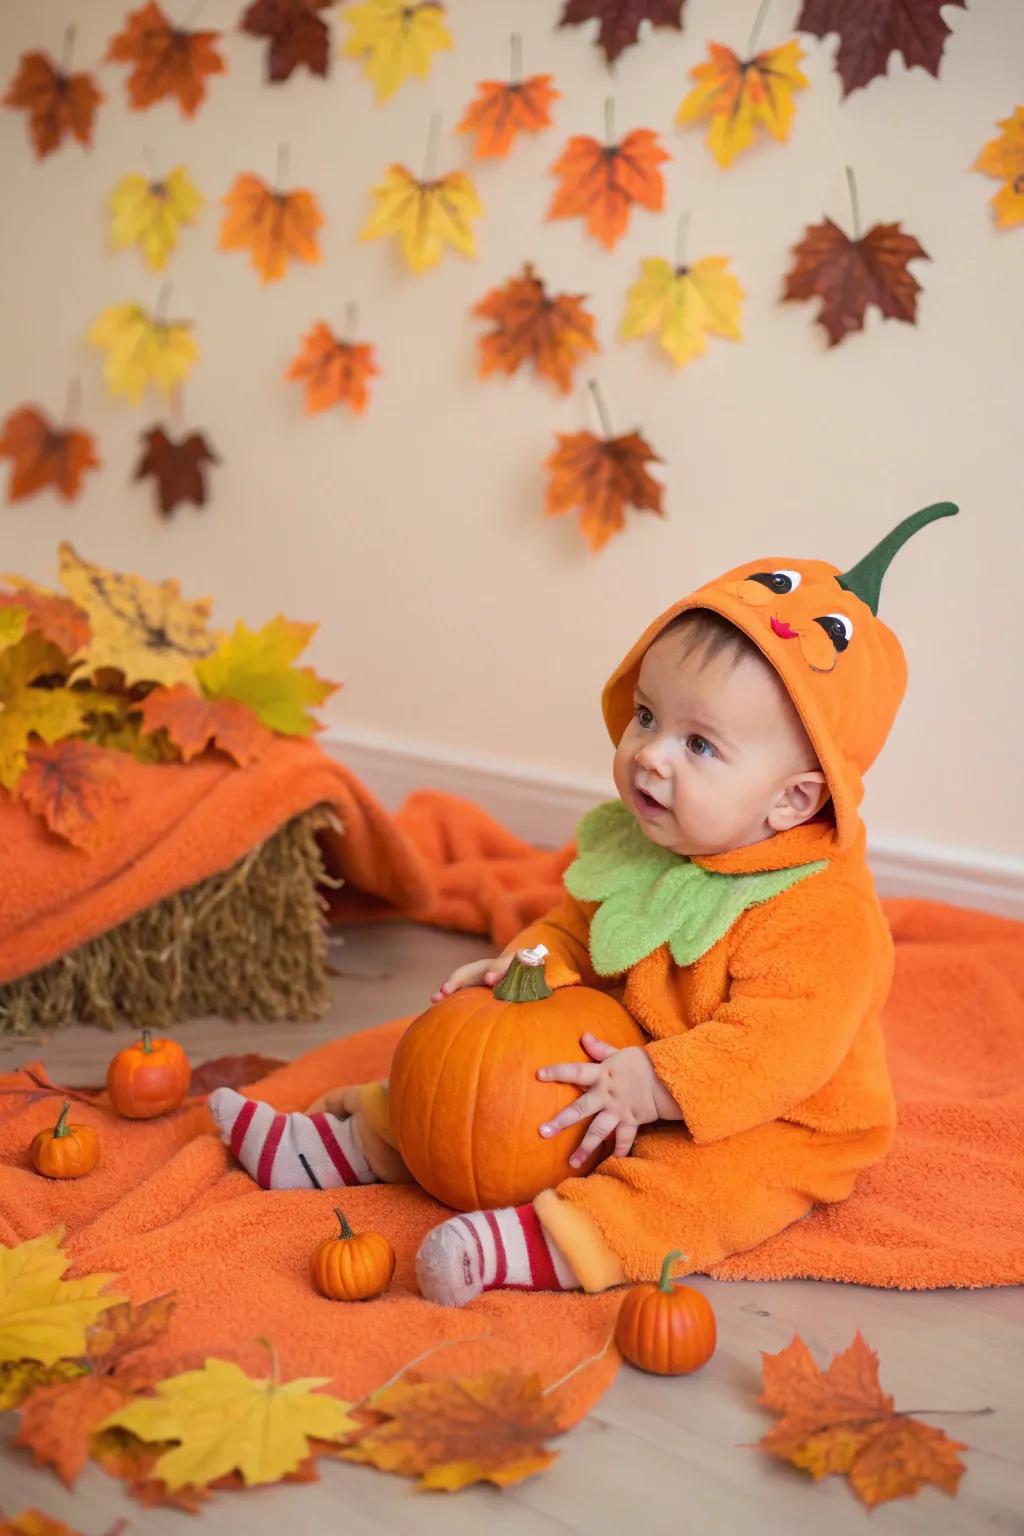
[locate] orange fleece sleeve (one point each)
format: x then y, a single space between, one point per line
801 985
566 933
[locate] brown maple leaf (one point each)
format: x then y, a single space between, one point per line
870 31
334 372
840 1421
57 1421
620 20
848 275
296 34
58 104
74 787
232 1072
502 109
177 468
44 456
601 476
131 1461
166 60
57 619
552 331
601 182
459 1431
193 723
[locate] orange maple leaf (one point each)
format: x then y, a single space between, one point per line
601 182
334 372
166 60
44 456
551 331
58 104
840 1421
601 476
57 1421
57 619
74 787
271 226
460 1430
737 96
193 723
502 109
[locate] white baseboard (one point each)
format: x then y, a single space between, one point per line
543 808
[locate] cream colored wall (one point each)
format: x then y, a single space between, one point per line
458 616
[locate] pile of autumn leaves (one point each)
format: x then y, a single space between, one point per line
115 666
74 1361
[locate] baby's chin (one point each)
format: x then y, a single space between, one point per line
664 831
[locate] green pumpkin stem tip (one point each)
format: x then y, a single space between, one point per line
864 579
346 1230
147 1041
665 1282
61 1128
524 981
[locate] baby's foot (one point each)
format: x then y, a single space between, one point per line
270 1146
488 1251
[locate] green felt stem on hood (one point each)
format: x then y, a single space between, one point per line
865 578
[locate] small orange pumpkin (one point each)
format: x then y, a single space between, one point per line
352 1267
466 1107
66 1152
667 1328
148 1078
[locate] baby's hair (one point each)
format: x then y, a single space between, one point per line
707 635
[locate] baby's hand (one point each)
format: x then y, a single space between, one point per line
478 973
623 1093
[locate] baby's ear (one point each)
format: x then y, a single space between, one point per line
801 798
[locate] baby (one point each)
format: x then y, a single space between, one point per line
725 900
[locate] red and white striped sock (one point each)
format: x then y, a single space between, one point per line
490 1251
268 1144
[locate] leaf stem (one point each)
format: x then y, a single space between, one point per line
69 48
351 321
73 400
433 141
473 1338
755 31
905 1413
682 233
851 182
283 158
516 48
602 408
275 1364
163 298
609 121
590 1360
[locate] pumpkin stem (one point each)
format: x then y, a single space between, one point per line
60 1129
147 1041
665 1282
346 1230
524 980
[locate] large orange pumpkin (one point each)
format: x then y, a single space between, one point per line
148 1078
466 1106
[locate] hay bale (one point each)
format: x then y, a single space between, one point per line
248 943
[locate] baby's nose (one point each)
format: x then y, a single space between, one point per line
653 757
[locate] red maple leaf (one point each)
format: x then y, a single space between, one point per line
193 722
74 787
44 456
848 275
177 468
871 30
57 104
620 20
296 34
166 60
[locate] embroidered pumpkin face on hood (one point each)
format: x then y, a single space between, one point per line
843 668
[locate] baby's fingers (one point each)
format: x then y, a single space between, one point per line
601 1126
477 973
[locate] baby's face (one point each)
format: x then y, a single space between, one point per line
715 756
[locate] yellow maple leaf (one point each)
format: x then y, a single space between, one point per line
1003 158
255 667
18 1378
225 1421
424 215
681 304
49 713
42 1316
143 629
142 350
396 39
147 213
737 95
12 625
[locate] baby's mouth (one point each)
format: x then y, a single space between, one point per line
647 804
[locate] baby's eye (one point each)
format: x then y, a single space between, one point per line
644 717
779 582
838 628
700 746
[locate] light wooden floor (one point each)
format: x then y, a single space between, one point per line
655 1458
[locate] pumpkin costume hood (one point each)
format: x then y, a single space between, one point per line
843 668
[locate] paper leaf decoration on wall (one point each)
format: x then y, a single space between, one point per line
178 469
44 456
333 372
58 105
295 34
75 787
274 227
147 214
167 61
620 20
736 95
554 332
142 350
600 183
601 477
424 216
395 39
869 33
1003 158
256 668
194 723
848 275
681 305
501 110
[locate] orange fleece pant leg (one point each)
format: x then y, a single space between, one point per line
708 1200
